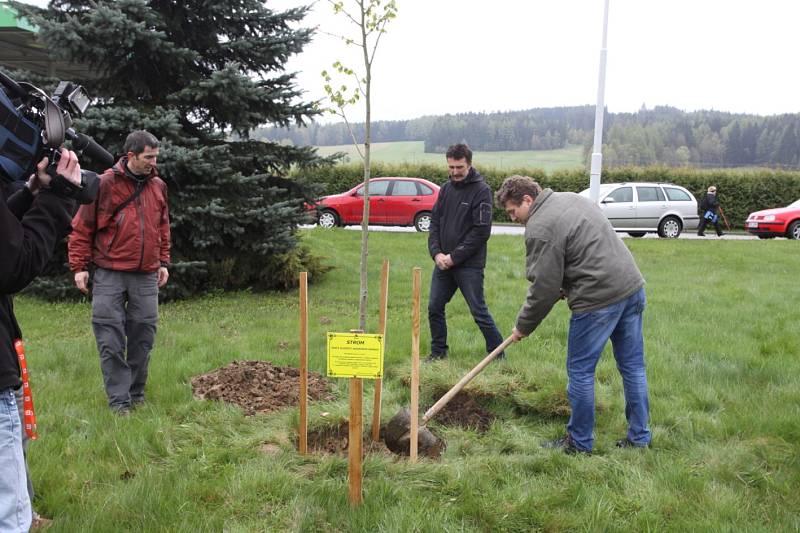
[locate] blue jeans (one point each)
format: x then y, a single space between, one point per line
15 505
588 334
469 281
19 397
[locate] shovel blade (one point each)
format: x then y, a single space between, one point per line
398 437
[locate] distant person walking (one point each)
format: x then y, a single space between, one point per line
125 234
461 223
708 209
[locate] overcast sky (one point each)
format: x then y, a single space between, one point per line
450 56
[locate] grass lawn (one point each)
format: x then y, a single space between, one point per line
414 152
722 347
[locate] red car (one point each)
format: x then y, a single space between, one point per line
779 222
392 202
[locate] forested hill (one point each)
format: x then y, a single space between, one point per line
663 135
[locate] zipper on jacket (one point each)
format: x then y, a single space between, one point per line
141 229
118 223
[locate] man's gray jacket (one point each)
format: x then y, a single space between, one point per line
571 246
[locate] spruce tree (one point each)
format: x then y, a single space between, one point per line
201 75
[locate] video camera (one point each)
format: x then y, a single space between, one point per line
34 125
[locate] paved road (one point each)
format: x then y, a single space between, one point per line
501 229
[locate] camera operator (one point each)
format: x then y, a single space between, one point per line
32 220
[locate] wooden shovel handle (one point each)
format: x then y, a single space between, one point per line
430 413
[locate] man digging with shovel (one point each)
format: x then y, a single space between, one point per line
574 253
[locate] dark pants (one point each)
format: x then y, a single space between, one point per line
443 286
124 319
702 227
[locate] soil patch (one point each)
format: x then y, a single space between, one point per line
335 440
464 411
258 386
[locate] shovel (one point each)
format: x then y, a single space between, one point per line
398 430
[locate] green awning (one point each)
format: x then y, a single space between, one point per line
20 49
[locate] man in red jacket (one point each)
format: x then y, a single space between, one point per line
125 235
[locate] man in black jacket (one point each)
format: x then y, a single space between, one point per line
461 223
32 220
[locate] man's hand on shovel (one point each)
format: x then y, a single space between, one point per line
517 336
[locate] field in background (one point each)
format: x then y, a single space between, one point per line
721 347
414 152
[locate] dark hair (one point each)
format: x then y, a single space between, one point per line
514 188
138 140
459 151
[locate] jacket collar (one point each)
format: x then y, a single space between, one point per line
122 168
472 177
540 200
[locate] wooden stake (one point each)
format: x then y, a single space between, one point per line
303 438
724 219
376 403
354 441
354 436
414 365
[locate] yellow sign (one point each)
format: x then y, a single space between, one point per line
355 355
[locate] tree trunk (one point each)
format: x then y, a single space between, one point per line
362 303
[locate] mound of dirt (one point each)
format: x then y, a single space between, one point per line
463 411
258 386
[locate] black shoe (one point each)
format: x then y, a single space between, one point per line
701 234
720 234
565 443
625 443
432 358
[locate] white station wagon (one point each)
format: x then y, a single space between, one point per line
639 208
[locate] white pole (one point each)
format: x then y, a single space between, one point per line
597 151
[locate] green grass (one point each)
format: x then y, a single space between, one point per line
722 348
414 152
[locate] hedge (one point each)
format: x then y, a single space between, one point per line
740 191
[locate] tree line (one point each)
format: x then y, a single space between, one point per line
662 135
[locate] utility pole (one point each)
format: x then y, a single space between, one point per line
597 151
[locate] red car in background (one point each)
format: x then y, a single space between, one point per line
392 202
779 222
